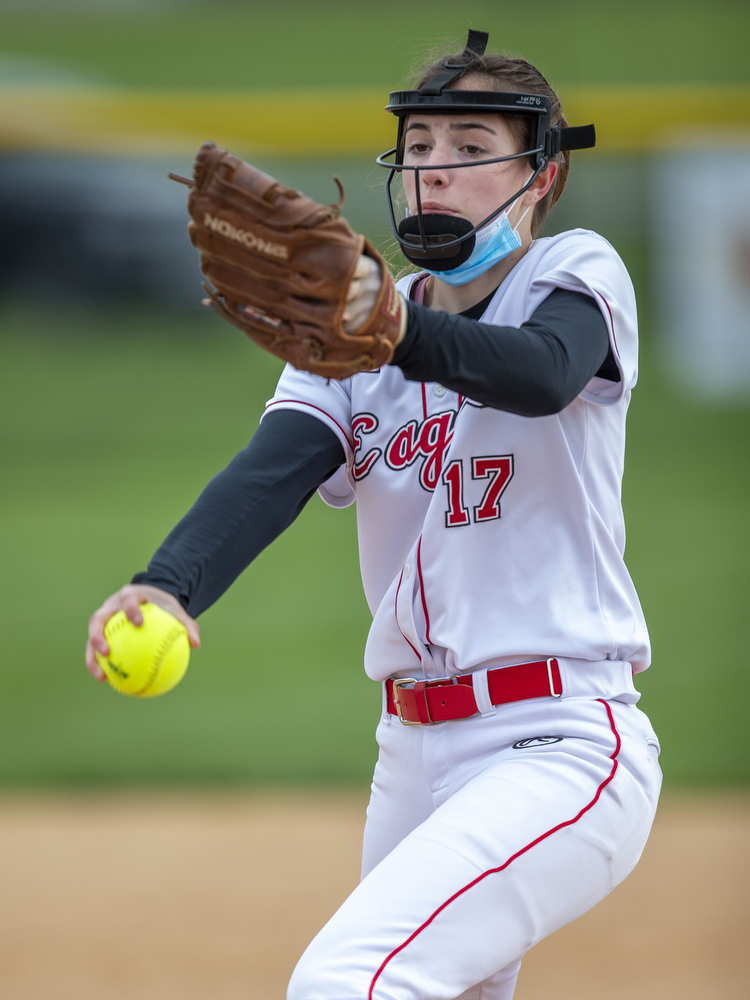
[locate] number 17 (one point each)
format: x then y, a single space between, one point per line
497 468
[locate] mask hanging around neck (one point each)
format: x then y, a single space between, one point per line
496 241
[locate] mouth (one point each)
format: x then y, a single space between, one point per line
433 208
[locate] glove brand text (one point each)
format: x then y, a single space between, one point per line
245 237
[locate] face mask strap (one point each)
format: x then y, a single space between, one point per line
530 179
528 209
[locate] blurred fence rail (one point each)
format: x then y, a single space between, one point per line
320 121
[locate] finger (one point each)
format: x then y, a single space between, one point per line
191 626
130 602
194 633
362 270
92 666
363 266
96 630
98 623
169 603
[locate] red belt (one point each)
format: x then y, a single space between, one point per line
419 703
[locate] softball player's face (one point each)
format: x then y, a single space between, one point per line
473 193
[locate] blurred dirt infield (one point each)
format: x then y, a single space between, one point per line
213 897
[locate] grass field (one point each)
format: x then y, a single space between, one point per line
332 43
113 423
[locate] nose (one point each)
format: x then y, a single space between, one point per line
431 179
434 177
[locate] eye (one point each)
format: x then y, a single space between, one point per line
472 149
418 147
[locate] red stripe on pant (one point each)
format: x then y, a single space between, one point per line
523 850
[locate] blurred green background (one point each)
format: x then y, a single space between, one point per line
113 418
270 43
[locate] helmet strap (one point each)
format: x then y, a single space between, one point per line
476 43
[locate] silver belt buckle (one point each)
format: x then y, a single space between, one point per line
397 683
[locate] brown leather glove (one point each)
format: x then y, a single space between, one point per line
281 266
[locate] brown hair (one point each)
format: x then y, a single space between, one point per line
514 75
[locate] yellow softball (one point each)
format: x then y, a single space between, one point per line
145 660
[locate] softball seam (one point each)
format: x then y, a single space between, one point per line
160 653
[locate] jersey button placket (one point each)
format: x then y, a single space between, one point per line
405 609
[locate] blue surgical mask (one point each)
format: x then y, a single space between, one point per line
493 243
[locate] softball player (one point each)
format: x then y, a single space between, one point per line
517 780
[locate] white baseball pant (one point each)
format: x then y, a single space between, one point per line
483 836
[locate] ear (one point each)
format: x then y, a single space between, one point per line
541 185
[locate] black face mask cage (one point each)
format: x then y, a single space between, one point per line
431 99
444 245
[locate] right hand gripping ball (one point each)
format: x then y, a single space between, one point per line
145 660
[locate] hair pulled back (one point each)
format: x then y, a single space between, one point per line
513 75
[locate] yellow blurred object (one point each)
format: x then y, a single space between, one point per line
637 119
321 122
164 121
145 660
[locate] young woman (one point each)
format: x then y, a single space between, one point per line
517 781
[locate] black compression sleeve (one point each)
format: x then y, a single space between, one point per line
533 370
244 508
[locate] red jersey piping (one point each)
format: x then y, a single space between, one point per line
428 640
398 623
304 402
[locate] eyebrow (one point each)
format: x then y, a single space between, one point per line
455 127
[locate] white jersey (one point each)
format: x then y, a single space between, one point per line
488 538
